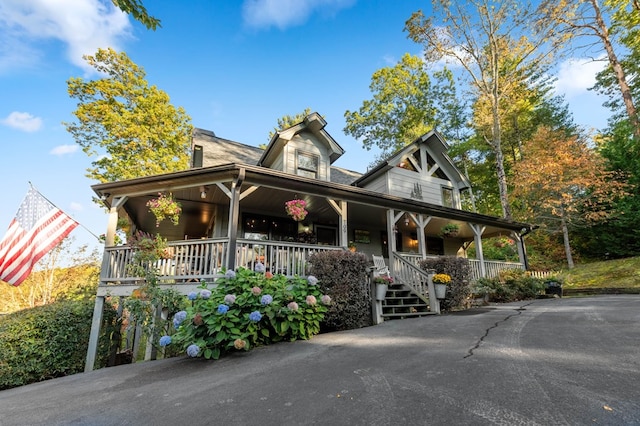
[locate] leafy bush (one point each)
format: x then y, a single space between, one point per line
345 276
247 309
49 341
510 285
459 289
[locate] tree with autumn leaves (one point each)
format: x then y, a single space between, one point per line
561 183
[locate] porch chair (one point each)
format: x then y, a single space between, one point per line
380 268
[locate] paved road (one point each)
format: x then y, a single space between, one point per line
545 362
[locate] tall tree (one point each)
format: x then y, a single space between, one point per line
130 127
287 121
562 180
136 9
587 19
405 105
496 46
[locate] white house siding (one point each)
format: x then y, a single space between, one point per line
378 185
278 163
403 184
307 143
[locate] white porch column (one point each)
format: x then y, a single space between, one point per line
522 250
96 322
477 232
92 348
421 223
340 208
234 215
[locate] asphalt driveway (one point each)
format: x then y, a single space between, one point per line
570 361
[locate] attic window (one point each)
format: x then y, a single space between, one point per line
307 165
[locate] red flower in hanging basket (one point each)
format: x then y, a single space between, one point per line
296 209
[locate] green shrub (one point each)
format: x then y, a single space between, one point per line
49 341
248 309
459 290
509 286
345 276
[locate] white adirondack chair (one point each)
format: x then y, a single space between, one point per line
379 265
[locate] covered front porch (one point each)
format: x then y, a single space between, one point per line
234 215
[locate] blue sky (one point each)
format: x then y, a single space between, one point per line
235 66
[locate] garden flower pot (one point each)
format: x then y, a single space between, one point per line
441 290
381 291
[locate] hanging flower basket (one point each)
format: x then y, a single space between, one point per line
296 209
165 207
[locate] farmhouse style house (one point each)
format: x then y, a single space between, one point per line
233 211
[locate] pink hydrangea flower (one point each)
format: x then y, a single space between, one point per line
311 300
256 291
230 299
325 299
292 306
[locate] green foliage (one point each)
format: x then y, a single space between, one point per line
509 286
405 105
287 121
248 309
344 275
49 341
459 289
130 127
136 9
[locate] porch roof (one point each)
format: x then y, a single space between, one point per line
186 187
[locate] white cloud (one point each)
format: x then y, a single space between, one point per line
287 13
64 149
576 75
77 207
23 121
82 25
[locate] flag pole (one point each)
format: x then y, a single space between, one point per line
53 204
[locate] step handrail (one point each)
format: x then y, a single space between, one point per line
413 277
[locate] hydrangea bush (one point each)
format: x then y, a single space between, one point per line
246 309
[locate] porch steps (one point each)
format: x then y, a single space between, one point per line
400 303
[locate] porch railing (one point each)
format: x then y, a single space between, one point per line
411 276
492 268
195 260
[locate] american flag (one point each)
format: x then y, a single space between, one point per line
36 229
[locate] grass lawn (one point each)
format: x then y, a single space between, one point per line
620 273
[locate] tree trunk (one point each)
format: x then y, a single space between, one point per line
617 69
565 237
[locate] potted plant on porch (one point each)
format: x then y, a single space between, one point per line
440 282
450 230
382 285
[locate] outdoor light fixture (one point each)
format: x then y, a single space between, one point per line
406 220
203 192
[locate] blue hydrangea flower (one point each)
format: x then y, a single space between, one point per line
231 274
193 350
266 299
178 318
312 280
259 268
255 316
205 294
165 340
222 309
192 296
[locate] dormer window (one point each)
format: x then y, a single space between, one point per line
307 164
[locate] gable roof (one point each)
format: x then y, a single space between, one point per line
313 123
439 149
225 151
